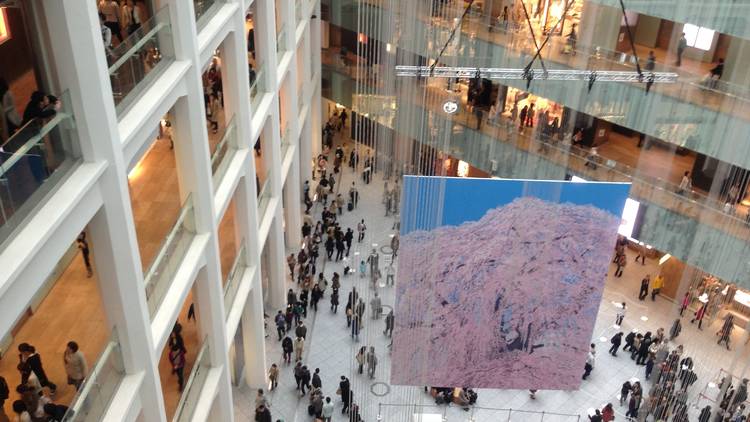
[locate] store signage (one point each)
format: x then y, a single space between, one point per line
450 107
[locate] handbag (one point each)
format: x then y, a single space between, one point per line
338 391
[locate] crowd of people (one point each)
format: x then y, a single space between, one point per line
36 392
314 283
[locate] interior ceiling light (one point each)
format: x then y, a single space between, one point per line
525 74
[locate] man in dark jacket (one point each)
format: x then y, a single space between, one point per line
345 390
301 330
316 382
262 414
305 379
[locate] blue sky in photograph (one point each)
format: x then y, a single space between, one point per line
468 199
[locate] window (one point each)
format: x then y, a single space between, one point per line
698 36
4 31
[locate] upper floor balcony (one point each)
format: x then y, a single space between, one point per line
35 160
711 117
672 220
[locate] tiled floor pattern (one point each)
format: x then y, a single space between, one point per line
331 348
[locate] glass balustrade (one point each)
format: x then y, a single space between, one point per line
233 279
191 394
257 85
299 9
224 152
92 400
264 195
562 53
558 149
203 11
33 161
171 253
285 142
138 60
281 43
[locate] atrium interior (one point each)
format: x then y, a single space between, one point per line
200 198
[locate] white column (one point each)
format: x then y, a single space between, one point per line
277 266
253 337
81 68
600 25
292 209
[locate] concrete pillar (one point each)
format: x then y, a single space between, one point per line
253 335
600 26
82 68
292 208
737 62
277 265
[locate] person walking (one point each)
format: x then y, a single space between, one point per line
656 286
75 365
316 381
348 237
262 414
273 376
616 341
624 391
334 300
360 358
681 46
686 184
280 322
590 360
685 302
356 325
345 392
621 261
698 316
644 287
390 272
299 346
83 246
608 413
291 261
327 412
620 315
177 359
642 250
372 362
676 328
726 330
260 399
31 362
389 324
298 375
305 379
287 347
361 228
376 306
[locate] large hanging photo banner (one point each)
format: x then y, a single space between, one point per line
499 281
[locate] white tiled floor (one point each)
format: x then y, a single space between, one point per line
330 347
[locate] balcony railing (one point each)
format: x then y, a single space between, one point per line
711 209
33 161
257 85
233 279
286 141
92 400
264 195
171 253
136 62
203 11
299 9
197 379
224 151
281 43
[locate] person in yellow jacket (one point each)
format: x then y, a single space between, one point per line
656 286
